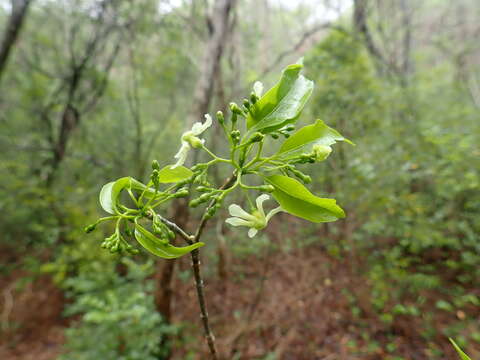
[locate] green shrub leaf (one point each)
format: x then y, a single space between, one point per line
110 193
281 104
462 355
304 139
297 200
160 247
168 175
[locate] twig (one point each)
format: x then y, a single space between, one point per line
195 254
196 266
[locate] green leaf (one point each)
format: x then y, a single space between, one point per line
160 247
304 139
297 200
106 197
110 193
462 355
168 175
282 104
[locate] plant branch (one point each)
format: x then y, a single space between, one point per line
195 254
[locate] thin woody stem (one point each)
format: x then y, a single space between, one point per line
195 254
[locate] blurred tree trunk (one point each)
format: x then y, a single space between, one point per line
218 24
360 25
14 25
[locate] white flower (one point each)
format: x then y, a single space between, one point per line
258 88
256 220
190 139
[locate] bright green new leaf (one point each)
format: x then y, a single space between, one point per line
160 247
297 200
106 197
462 355
168 175
110 193
281 104
304 139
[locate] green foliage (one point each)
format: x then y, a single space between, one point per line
281 104
462 355
272 113
297 200
118 318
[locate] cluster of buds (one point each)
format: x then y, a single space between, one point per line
306 179
162 230
117 244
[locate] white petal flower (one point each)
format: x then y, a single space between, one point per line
257 220
190 139
258 88
181 155
199 127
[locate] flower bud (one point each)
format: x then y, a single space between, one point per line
194 203
253 98
181 193
235 135
155 177
202 189
194 141
155 165
257 137
235 109
246 103
220 117
321 152
267 188
88 229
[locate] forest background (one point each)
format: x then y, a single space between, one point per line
92 90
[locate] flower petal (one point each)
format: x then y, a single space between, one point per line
252 232
260 201
235 221
258 88
181 155
237 211
273 212
199 128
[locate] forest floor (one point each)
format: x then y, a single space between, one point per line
268 305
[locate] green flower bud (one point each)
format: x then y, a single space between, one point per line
303 177
181 193
235 109
133 251
199 167
307 179
203 189
321 152
267 188
155 177
88 229
155 165
194 141
257 137
220 117
194 203
274 135
246 103
205 197
235 134
253 98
